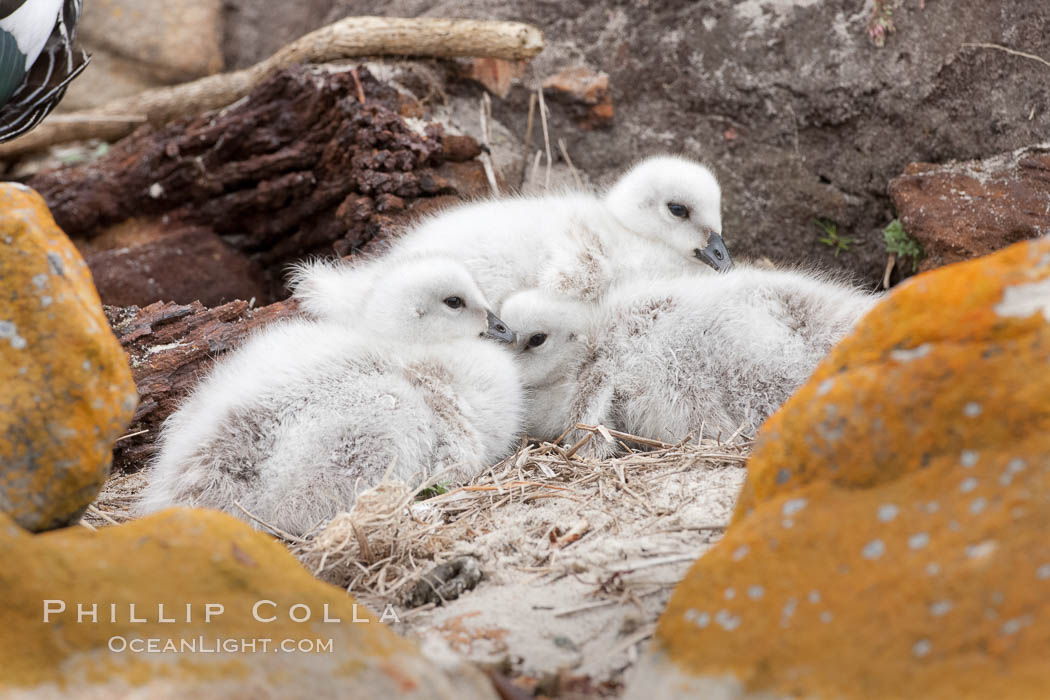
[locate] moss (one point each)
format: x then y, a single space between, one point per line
432 491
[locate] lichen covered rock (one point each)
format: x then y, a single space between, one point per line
193 603
65 388
891 538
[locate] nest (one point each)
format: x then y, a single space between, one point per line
394 534
558 545
391 537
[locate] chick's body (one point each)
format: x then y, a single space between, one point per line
573 243
307 413
666 358
723 355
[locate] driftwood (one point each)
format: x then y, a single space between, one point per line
170 346
348 38
299 167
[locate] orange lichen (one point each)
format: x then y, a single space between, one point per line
181 558
932 369
892 540
65 387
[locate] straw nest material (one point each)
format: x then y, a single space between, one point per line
393 534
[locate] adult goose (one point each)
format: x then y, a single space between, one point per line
37 60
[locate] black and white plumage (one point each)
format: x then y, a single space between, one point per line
666 358
37 60
307 413
661 217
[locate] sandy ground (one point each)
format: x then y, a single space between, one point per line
583 608
578 556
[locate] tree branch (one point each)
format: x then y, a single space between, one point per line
351 37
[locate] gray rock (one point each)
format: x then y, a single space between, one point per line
136 45
802 116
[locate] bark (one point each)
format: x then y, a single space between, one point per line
170 347
300 167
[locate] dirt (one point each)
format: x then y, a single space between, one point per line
801 115
585 608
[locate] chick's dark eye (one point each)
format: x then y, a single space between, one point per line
537 339
680 211
454 303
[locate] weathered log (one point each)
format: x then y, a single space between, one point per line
348 38
170 346
297 146
299 165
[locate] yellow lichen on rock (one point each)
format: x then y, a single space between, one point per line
951 359
126 610
66 391
891 541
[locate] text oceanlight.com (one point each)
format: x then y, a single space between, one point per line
263 612
217 645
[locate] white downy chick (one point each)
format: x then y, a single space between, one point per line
307 413
664 359
661 217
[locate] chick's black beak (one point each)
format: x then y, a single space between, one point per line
498 330
715 254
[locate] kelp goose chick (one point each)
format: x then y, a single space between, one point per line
675 204
662 217
307 413
665 359
37 60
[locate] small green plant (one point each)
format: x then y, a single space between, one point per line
432 491
832 238
902 245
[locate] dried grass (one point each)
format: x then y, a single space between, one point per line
389 539
571 547
113 505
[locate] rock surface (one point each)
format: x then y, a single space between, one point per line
189 560
496 74
964 210
587 93
140 44
890 539
800 114
171 346
65 388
